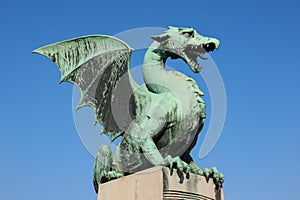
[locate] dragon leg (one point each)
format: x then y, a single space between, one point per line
153 155
143 131
103 171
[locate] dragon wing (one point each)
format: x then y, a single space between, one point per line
99 66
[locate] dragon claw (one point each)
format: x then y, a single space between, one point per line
112 175
188 169
195 169
206 173
221 178
213 173
181 166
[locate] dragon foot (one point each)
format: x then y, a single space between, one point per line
177 163
195 169
110 175
213 173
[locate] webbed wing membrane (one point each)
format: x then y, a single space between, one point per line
99 66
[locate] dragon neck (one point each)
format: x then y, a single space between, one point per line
159 80
156 77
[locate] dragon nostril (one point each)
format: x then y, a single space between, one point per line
209 46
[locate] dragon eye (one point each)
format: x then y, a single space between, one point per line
188 33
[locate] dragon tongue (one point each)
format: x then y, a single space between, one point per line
202 56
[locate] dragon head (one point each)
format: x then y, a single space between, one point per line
187 44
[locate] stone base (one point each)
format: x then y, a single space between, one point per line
157 184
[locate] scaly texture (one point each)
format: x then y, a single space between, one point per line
160 121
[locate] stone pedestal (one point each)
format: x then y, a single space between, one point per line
157 184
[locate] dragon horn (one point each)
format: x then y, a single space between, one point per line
161 38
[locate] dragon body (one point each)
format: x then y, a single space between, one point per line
159 121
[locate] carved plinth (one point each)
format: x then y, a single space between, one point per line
157 184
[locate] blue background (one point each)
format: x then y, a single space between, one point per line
42 156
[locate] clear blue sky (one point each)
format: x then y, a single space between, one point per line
42 156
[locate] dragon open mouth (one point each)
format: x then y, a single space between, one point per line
192 53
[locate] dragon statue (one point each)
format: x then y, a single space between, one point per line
159 121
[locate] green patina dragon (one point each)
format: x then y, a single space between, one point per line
159 121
